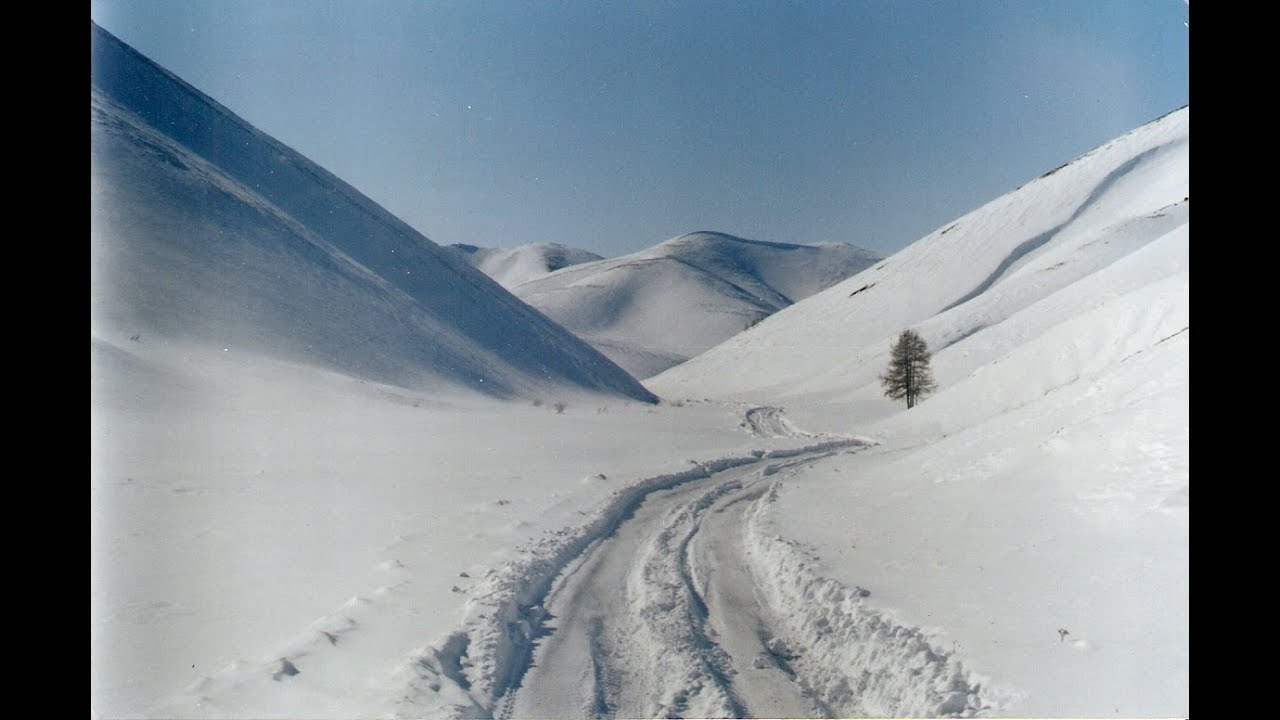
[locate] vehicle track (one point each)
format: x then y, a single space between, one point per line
661 619
578 626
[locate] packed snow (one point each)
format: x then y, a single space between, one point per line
656 308
320 488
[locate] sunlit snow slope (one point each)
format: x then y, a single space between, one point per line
208 233
513 266
990 284
653 309
1033 514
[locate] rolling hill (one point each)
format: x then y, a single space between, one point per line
514 266
656 308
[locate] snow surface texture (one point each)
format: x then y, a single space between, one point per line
1045 486
514 266
209 233
656 308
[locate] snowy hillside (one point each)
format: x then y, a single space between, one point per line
207 233
656 308
514 266
961 285
1045 486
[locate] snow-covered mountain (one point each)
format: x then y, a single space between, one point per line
210 234
518 265
658 307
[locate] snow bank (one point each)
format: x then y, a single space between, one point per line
854 660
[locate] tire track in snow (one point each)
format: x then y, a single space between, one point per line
505 615
708 666
651 649
660 645
736 617
628 637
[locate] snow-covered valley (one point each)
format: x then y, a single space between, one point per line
338 472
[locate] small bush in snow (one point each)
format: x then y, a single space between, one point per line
537 403
560 407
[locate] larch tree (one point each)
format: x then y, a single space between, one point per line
908 375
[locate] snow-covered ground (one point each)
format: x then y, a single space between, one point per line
302 522
658 307
247 510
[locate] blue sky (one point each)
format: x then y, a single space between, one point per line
614 126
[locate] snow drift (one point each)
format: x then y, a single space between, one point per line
656 308
207 232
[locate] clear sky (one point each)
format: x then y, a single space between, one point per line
612 126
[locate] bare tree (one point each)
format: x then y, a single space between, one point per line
908 375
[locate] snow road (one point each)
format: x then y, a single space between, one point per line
678 599
660 618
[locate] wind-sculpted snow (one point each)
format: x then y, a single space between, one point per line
206 230
1036 242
